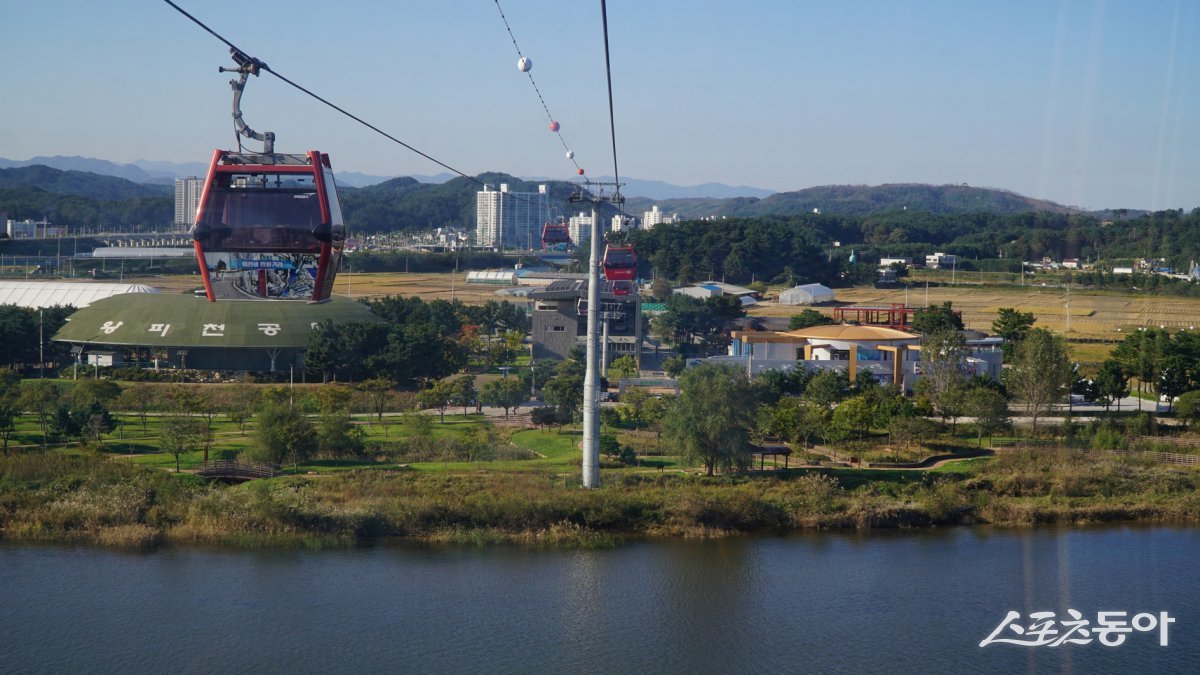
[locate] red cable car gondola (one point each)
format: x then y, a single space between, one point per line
269 203
555 236
620 263
288 205
620 268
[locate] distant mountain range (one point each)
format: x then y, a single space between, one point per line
147 171
409 204
861 200
80 183
130 172
658 190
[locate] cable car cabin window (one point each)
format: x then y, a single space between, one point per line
262 213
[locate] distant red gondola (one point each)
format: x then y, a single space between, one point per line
556 236
622 287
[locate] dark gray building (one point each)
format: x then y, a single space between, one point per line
560 320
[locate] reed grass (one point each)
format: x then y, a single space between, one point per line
88 498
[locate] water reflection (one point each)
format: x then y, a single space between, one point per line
881 602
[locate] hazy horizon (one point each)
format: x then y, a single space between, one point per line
1082 103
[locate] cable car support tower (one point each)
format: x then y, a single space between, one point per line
591 381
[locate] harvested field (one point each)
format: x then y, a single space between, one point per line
1098 319
425 286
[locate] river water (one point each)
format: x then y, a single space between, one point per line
825 602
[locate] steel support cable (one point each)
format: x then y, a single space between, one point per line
352 116
612 124
542 99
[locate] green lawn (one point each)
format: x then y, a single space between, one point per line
551 450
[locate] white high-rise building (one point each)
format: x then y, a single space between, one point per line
187 199
622 223
655 217
580 228
506 219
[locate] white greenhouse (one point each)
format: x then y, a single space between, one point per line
807 294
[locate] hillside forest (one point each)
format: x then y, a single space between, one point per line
770 239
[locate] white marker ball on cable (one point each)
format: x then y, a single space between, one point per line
524 64
570 154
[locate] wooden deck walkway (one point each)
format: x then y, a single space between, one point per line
236 470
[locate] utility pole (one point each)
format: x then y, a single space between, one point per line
591 380
1068 306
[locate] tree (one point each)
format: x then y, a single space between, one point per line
1039 375
776 383
1140 356
242 401
10 404
336 433
464 393
377 392
565 392
334 399
989 408
327 350
934 318
1188 407
661 289
711 419
887 403
338 436
202 401
181 434
853 416
807 319
624 367
41 397
943 354
437 396
609 417
94 421
694 324
545 415
1012 325
87 392
64 425
281 433
906 430
674 365
138 397
1111 384
828 387
1173 380
609 446
794 420
633 406
654 412
504 393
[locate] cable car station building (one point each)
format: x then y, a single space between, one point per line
178 331
560 320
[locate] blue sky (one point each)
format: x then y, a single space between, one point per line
1095 104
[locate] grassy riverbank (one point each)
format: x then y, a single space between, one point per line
57 497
